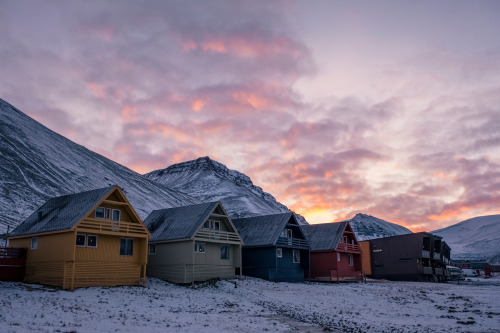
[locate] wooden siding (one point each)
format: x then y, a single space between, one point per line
173 261
103 274
326 267
57 258
108 250
262 262
366 257
184 273
51 247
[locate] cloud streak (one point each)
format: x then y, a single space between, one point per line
328 109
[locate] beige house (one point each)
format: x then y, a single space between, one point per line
193 243
92 238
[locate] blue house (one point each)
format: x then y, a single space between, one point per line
274 247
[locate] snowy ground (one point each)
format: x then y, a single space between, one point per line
255 306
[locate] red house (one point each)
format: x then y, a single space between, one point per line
335 252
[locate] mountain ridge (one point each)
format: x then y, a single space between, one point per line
38 163
477 238
209 180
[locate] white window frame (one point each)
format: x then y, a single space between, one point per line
228 251
87 241
103 213
338 256
344 239
108 213
34 242
279 252
289 233
152 249
296 256
113 215
350 260
84 240
199 247
212 225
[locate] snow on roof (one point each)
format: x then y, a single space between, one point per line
178 222
324 236
262 230
61 213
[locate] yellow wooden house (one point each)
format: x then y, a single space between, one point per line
92 238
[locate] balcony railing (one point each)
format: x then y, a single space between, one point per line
437 256
218 235
111 227
348 247
292 242
426 254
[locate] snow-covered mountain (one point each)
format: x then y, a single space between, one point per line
367 227
37 163
209 180
477 238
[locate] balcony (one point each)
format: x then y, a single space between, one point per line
292 242
111 227
348 247
217 235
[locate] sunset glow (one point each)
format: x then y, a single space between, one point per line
335 108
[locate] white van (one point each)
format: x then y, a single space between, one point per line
454 273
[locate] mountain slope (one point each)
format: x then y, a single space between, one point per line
209 180
369 227
474 239
37 163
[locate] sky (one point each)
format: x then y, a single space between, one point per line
388 108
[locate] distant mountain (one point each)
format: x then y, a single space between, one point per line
37 163
368 227
209 180
477 238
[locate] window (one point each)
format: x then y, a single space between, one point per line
34 243
126 247
350 259
83 240
80 240
108 213
99 213
116 215
213 225
91 241
224 252
279 252
296 256
344 239
338 256
152 248
199 247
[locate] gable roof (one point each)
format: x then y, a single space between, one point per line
178 222
324 236
262 230
62 213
